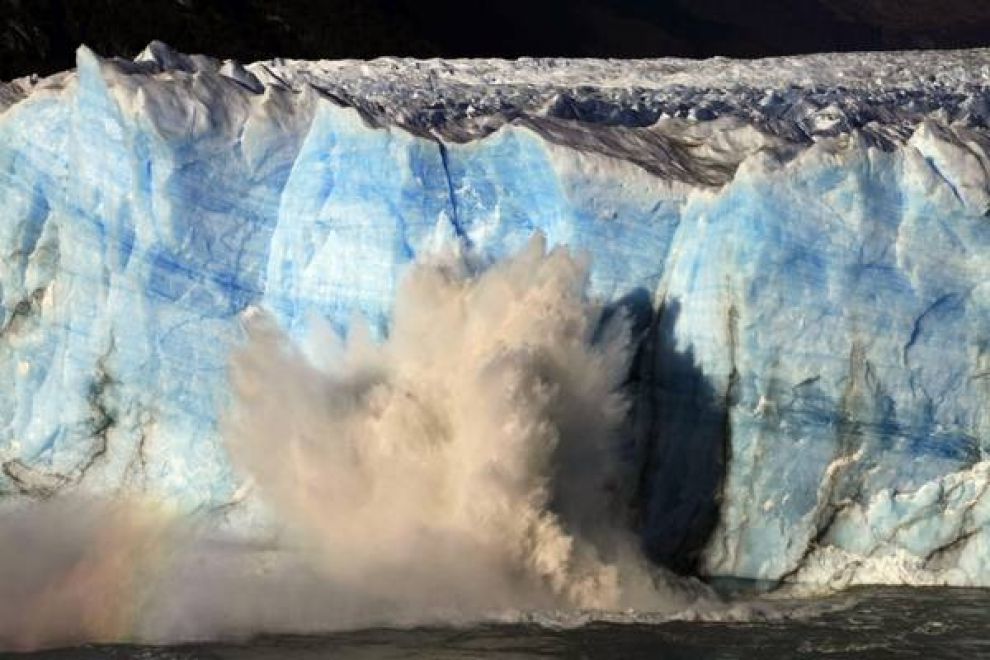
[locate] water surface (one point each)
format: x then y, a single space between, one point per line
888 622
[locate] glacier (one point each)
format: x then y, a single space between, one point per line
801 243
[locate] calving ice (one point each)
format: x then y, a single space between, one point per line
776 290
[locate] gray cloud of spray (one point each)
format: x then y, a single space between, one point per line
469 459
76 569
464 468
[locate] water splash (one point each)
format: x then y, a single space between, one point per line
463 468
469 456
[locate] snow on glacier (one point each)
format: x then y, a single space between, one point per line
804 239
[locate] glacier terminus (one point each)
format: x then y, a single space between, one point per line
801 244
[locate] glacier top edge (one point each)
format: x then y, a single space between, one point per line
948 68
798 98
915 69
884 69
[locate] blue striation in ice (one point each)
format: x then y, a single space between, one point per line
804 242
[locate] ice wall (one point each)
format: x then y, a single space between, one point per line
806 265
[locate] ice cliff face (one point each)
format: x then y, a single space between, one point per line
803 244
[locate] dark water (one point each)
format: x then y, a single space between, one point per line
862 623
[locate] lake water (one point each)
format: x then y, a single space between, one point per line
860 623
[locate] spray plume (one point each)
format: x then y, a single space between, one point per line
462 468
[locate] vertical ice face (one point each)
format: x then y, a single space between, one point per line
804 264
839 300
138 214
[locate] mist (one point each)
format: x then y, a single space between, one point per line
463 468
468 458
